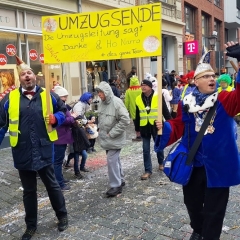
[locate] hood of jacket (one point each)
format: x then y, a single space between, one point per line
107 90
134 81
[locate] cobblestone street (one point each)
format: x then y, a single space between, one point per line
148 210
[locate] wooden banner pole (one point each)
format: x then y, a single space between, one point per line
47 87
159 90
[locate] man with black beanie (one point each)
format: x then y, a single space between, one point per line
146 115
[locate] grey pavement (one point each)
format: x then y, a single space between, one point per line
148 210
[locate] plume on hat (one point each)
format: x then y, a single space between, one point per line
21 65
203 66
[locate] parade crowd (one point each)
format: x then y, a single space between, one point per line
186 100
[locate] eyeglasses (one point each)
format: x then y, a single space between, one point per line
207 76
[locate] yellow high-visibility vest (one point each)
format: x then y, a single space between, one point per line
228 89
13 111
153 114
184 91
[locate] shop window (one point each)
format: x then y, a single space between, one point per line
205 29
191 63
5 40
8 72
35 49
98 71
217 27
217 3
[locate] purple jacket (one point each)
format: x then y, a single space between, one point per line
64 131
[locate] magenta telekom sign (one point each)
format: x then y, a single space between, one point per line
191 47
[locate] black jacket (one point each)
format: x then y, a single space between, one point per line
34 149
81 141
149 129
114 89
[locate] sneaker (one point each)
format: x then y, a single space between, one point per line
94 150
195 236
66 188
137 139
78 176
28 234
112 192
84 169
89 151
63 224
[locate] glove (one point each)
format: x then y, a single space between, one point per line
234 51
50 119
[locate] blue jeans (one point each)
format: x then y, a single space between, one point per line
147 156
59 154
76 160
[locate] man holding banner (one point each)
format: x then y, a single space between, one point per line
24 112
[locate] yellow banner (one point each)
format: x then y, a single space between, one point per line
104 35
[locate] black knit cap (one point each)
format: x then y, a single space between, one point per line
146 82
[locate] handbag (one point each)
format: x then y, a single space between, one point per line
178 164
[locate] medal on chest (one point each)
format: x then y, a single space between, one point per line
199 121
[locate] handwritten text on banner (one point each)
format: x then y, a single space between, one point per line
104 35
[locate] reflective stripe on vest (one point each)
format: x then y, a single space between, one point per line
13 111
184 91
153 114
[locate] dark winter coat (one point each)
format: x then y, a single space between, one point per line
81 141
115 89
34 149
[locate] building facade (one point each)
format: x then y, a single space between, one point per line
204 18
172 40
21 34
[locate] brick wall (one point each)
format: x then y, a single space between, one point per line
214 12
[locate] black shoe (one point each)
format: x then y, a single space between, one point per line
63 224
84 169
195 236
28 234
112 192
94 150
66 166
90 151
66 181
78 175
123 184
66 188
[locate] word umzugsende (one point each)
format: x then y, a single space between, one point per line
116 18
